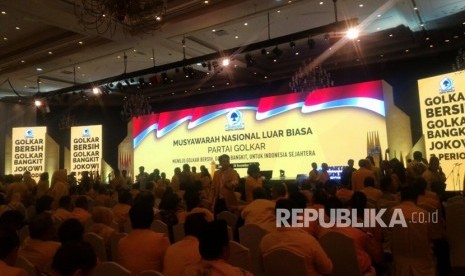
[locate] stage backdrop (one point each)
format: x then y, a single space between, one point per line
28 150
442 103
285 132
86 149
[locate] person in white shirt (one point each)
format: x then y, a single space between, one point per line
261 211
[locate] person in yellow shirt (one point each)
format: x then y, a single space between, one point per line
186 251
224 181
121 209
252 181
9 244
142 249
40 247
75 258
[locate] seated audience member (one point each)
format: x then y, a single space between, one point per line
75 258
214 249
433 173
149 245
44 204
410 245
71 230
63 212
42 185
121 209
261 211
81 207
278 191
372 193
58 186
366 246
298 241
40 247
12 219
193 205
426 199
344 194
185 252
9 244
103 219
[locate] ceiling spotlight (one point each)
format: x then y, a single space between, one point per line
96 90
158 18
263 51
225 62
352 33
38 103
292 44
204 64
39 69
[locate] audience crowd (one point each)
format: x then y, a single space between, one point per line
51 226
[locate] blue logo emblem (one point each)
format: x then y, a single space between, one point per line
86 132
446 85
29 134
234 118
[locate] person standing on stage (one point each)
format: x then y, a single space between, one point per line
224 181
142 178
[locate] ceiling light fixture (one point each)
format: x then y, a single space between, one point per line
352 33
225 62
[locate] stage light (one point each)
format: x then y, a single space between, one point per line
225 62
38 103
352 33
292 44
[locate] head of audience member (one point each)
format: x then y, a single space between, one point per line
102 215
12 219
59 176
186 168
350 163
285 205
386 184
42 228
253 170
300 201
145 197
433 164
358 202
194 169
204 170
314 166
195 224
192 199
124 173
44 176
324 167
420 185
116 172
27 176
417 156
438 187
9 245
214 241
363 163
224 161
124 197
369 182
141 169
278 190
44 204
141 216
409 193
259 193
82 202
169 202
177 171
320 197
163 175
74 259
332 205
66 203
71 230
331 187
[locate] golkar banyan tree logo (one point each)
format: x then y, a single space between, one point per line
446 85
86 132
350 218
29 133
234 118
